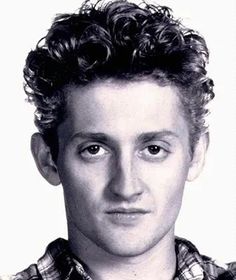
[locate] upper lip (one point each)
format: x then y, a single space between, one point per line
127 210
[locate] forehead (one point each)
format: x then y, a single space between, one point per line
123 108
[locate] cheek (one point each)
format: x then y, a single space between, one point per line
83 184
165 181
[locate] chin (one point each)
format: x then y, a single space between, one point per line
128 246
125 250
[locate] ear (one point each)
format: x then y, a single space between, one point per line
43 158
198 157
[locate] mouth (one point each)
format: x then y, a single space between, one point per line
121 210
126 216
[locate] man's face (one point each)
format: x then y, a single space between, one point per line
123 162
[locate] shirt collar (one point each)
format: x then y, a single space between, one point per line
189 261
58 262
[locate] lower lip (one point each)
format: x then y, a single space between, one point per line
126 219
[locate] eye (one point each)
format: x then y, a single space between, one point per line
93 152
154 149
95 149
154 152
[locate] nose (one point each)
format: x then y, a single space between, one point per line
125 183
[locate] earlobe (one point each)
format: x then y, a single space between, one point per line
198 158
43 159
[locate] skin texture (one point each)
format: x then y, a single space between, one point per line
123 161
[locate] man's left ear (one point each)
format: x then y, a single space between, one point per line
198 157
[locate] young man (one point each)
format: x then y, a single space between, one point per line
120 92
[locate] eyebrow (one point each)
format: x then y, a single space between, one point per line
143 137
154 135
95 136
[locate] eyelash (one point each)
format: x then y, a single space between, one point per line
161 152
153 152
86 154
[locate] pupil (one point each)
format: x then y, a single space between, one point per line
154 149
93 149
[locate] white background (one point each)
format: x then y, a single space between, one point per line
32 212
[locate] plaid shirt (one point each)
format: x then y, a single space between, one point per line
59 264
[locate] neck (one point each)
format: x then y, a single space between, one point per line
157 263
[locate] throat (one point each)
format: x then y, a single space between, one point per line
157 263
134 272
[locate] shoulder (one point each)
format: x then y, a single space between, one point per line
192 263
52 265
29 273
218 270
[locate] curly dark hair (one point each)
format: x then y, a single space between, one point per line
118 40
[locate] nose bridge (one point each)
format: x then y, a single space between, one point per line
126 170
126 183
